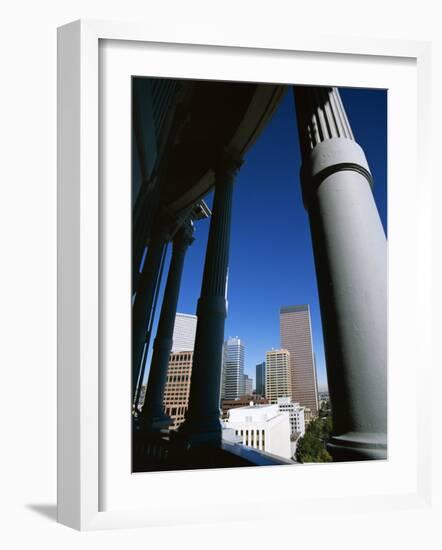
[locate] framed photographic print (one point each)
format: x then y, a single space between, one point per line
234 252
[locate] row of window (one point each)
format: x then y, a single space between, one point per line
178 378
185 357
175 400
176 411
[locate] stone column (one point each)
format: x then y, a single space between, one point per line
350 252
142 307
153 418
149 332
202 424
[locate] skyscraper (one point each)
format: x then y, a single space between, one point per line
233 369
261 378
176 393
248 385
184 332
278 379
296 336
179 371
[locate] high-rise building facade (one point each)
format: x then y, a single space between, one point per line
232 385
176 393
179 371
184 332
278 379
248 385
261 378
296 337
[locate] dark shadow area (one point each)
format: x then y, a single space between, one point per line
48 511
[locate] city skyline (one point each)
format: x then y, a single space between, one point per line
271 230
184 338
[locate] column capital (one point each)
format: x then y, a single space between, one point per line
321 116
326 138
227 166
184 236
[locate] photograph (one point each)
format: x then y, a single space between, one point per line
259 274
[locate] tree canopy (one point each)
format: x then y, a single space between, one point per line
311 447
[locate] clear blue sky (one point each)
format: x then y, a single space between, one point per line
271 259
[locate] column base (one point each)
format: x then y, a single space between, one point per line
354 447
193 434
155 424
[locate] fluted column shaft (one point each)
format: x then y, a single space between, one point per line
153 417
202 424
350 252
142 306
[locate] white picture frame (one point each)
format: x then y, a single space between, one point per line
80 429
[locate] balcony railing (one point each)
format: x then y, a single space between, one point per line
167 452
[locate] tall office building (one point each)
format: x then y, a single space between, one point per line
248 385
296 337
261 378
278 379
232 385
184 332
176 392
179 370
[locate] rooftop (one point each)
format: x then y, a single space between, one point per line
291 309
258 413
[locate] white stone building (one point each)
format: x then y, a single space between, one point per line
296 414
262 427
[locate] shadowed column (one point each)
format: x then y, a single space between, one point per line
142 306
153 417
350 252
202 424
